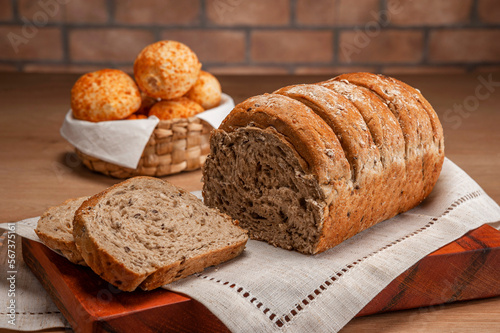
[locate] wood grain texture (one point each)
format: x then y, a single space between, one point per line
91 304
38 168
465 269
468 268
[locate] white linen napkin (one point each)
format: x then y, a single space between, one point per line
269 289
122 142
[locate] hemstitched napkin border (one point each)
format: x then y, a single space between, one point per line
456 206
280 321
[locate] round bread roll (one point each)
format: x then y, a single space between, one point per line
166 69
136 116
108 94
206 91
181 107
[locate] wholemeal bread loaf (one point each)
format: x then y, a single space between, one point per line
55 229
309 166
145 232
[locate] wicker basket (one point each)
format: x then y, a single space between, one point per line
175 145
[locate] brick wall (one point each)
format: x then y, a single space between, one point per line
255 36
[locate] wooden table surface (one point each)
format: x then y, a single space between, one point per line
38 167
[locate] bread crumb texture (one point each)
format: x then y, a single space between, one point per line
146 232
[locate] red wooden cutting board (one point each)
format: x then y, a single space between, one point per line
468 268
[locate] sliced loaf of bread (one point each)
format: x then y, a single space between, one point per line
145 232
55 229
311 165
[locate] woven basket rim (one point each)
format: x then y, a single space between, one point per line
189 136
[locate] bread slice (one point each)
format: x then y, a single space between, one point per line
423 160
388 138
55 229
145 232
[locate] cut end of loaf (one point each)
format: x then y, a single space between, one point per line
276 200
145 232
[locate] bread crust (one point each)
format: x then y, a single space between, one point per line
136 116
181 107
181 269
437 158
114 271
64 244
416 128
382 124
314 141
345 121
387 136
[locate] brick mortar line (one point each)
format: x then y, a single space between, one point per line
65 43
473 67
15 17
298 27
156 34
267 64
430 64
336 46
111 11
470 69
108 63
106 25
456 27
15 10
463 64
248 46
374 64
474 13
293 13
203 13
382 5
425 46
